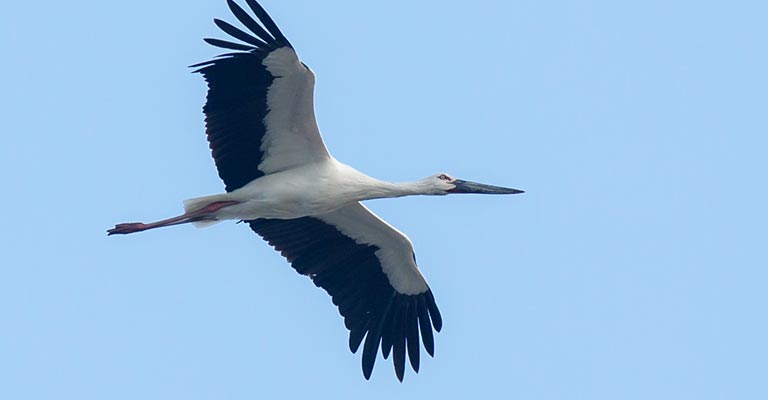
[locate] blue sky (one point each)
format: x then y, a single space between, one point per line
634 267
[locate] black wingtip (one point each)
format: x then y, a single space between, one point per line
369 352
355 339
250 23
425 327
228 45
398 344
268 23
434 313
236 33
367 373
412 334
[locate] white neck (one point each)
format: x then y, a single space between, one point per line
360 186
383 189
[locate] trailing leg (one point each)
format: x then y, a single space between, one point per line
206 213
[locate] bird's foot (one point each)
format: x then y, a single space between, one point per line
123 229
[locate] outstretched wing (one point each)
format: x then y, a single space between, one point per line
259 111
369 269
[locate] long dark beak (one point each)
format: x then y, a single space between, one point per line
474 187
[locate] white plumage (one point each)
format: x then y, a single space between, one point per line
282 181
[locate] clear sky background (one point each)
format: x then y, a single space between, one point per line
633 268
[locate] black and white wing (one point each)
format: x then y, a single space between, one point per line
259 110
369 269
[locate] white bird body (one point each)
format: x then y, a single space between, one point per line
312 189
281 180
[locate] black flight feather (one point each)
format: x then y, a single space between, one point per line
237 33
268 23
226 45
249 22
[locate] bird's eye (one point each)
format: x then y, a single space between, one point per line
444 177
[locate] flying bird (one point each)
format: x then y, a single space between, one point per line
280 179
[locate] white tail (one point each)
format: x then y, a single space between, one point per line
197 203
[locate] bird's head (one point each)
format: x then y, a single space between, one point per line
442 184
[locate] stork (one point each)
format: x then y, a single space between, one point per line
280 179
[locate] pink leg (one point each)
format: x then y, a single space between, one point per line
205 213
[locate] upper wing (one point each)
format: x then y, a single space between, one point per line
369 269
259 111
